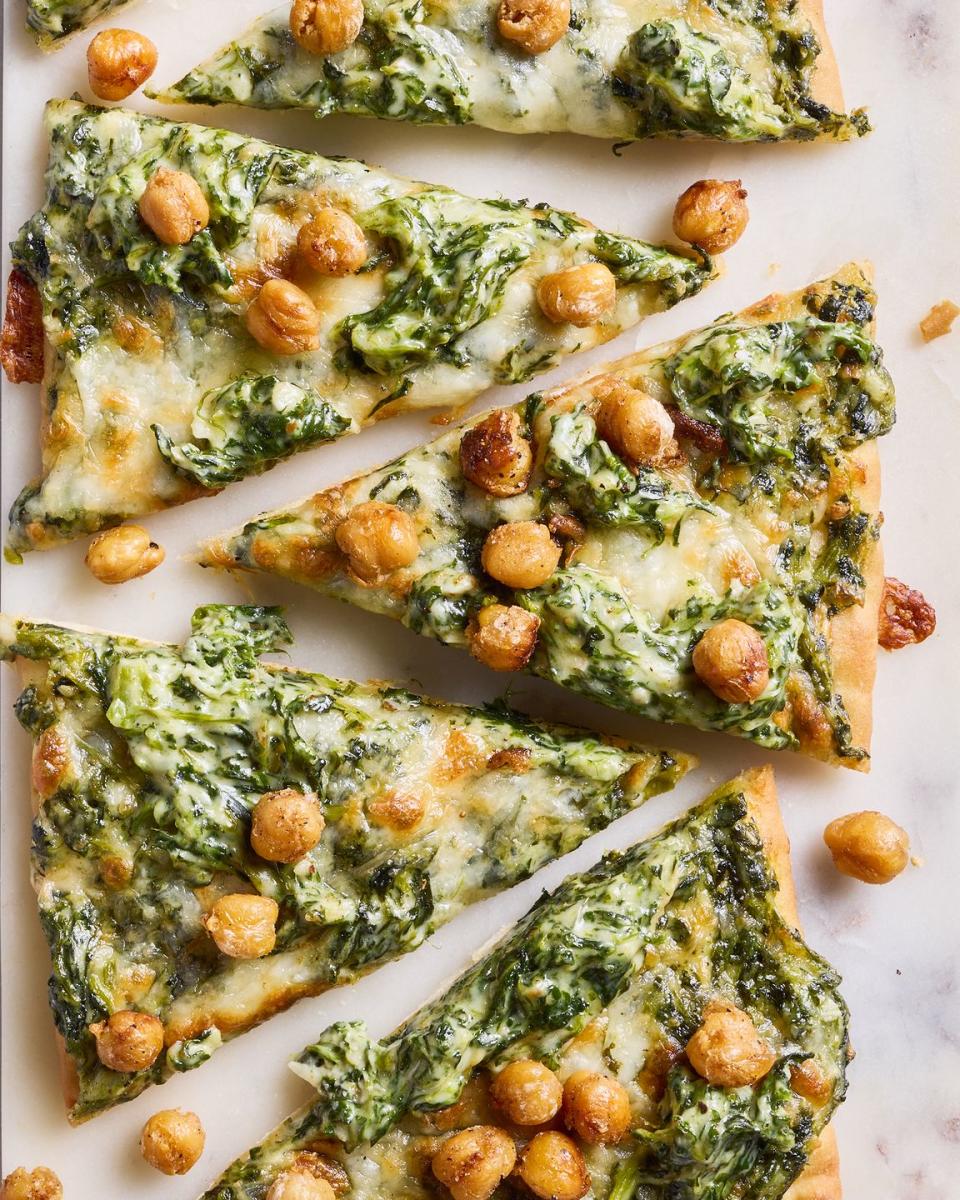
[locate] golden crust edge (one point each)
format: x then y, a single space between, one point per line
826 86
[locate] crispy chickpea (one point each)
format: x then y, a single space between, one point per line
121 554
553 1168
727 1051
377 539
711 214
118 62
397 810
596 1108
174 207
503 637
243 926
332 243
527 1092
51 761
533 25
868 846
809 1081
472 1163
300 1185
634 424
731 659
172 1141
39 1184
520 555
326 26
128 1041
283 319
496 456
286 825
579 296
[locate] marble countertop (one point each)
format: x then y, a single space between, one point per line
891 198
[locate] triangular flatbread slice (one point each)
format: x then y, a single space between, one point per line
734 70
606 983
175 369
216 838
692 535
51 21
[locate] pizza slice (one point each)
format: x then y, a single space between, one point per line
50 21
211 304
734 70
654 1028
216 838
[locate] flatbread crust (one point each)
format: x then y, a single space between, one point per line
825 86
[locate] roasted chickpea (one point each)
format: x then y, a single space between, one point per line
472 1163
283 319
243 926
128 1041
332 243
553 1168
174 207
496 456
634 424
118 62
118 555
533 25
727 1051
731 659
596 1108
527 1092
39 1184
286 825
377 539
51 761
520 555
172 1141
503 638
300 1185
579 296
868 846
809 1081
397 810
711 214
326 26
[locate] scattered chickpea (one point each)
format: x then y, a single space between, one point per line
243 926
326 26
807 1080
377 539
118 62
496 456
553 1168
397 810
731 659
283 319
596 1108
121 554
527 1092
128 1041
521 554
579 296
868 846
634 424
286 825
39 1184
503 638
174 207
332 243
300 1185
51 761
533 25
172 1141
711 214
727 1051
472 1163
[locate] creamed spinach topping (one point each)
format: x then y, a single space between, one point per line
51 20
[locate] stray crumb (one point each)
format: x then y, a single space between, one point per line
917 861
774 268
939 320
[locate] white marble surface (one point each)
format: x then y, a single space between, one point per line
891 198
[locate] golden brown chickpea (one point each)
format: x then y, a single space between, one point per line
579 296
286 825
174 207
243 926
332 243
634 424
711 214
472 1163
172 1141
527 1092
496 456
533 25
128 1041
596 1108
553 1168
731 659
503 637
397 810
283 319
118 62
377 539
326 26
727 1051
121 554
300 1185
520 555
868 846
807 1080
39 1184
51 761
